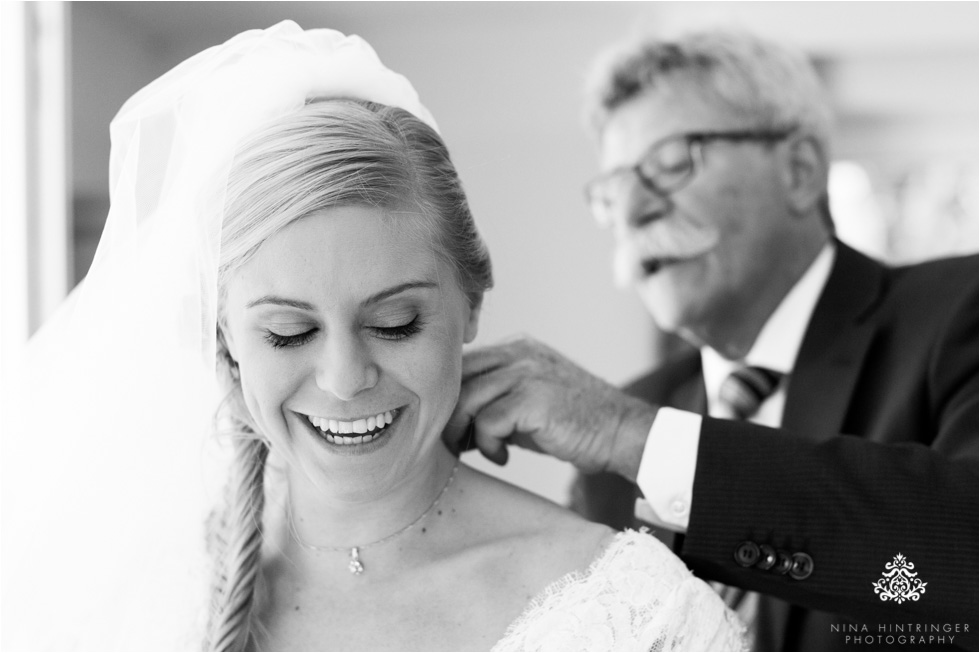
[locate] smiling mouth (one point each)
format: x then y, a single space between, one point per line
354 432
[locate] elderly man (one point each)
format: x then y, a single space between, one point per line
818 454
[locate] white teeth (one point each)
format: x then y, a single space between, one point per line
360 439
336 431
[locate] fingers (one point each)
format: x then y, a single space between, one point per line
479 391
493 357
504 387
476 394
457 434
493 427
488 411
486 383
462 433
484 360
492 449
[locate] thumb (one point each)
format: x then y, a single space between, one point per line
493 449
458 433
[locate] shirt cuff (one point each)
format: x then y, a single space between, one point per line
666 474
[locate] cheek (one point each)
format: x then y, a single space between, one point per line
449 374
724 210
733 215
266 385
436 371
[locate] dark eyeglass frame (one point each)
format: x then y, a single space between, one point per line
693 141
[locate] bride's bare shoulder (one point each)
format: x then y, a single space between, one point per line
546 534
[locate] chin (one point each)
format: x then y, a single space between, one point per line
663 304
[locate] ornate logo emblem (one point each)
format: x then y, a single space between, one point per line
899 583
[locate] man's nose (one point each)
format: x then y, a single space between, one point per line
346 367
638 205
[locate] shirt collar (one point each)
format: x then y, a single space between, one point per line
779 341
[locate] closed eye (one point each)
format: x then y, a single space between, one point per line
279 341
399 332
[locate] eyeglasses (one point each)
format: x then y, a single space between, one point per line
668 165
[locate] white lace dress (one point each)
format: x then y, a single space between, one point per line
636 596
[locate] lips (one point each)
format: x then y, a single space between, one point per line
347 433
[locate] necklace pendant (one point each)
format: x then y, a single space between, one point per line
354 565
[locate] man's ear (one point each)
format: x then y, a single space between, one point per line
806 174
473 319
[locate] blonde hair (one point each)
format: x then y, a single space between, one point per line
331 153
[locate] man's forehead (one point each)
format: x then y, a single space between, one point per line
640 122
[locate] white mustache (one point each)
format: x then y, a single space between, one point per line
674 237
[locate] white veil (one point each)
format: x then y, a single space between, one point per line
110 472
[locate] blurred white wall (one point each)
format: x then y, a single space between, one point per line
504 80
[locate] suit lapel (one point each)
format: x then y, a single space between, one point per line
689 393
834 347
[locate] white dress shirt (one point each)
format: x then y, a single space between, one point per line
666 474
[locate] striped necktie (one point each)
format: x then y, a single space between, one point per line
746 388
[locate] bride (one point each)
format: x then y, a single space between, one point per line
336 274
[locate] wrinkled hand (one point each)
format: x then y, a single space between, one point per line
525 393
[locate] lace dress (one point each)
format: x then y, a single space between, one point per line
636 596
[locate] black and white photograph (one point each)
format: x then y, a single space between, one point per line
489 326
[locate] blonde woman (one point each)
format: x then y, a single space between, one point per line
337 274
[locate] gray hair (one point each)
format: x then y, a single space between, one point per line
771 85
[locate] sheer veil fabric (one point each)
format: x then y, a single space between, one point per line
111 468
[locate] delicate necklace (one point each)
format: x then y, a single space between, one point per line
354 564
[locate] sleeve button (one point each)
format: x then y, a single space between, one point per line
802 566
678 507
768 557
784 562
747 554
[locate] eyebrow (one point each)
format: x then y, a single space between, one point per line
280 301
400 288
373 299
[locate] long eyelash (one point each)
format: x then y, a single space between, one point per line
399 332
279 341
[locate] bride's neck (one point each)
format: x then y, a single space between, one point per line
321 514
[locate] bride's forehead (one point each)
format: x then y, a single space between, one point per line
343 232
349 247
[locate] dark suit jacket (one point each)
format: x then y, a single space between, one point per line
877 456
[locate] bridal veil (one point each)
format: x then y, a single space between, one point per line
111 469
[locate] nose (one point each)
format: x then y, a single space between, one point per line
346 367
638 205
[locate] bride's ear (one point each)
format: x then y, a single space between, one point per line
224 337
473 319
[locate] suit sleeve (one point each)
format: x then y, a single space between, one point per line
852 504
